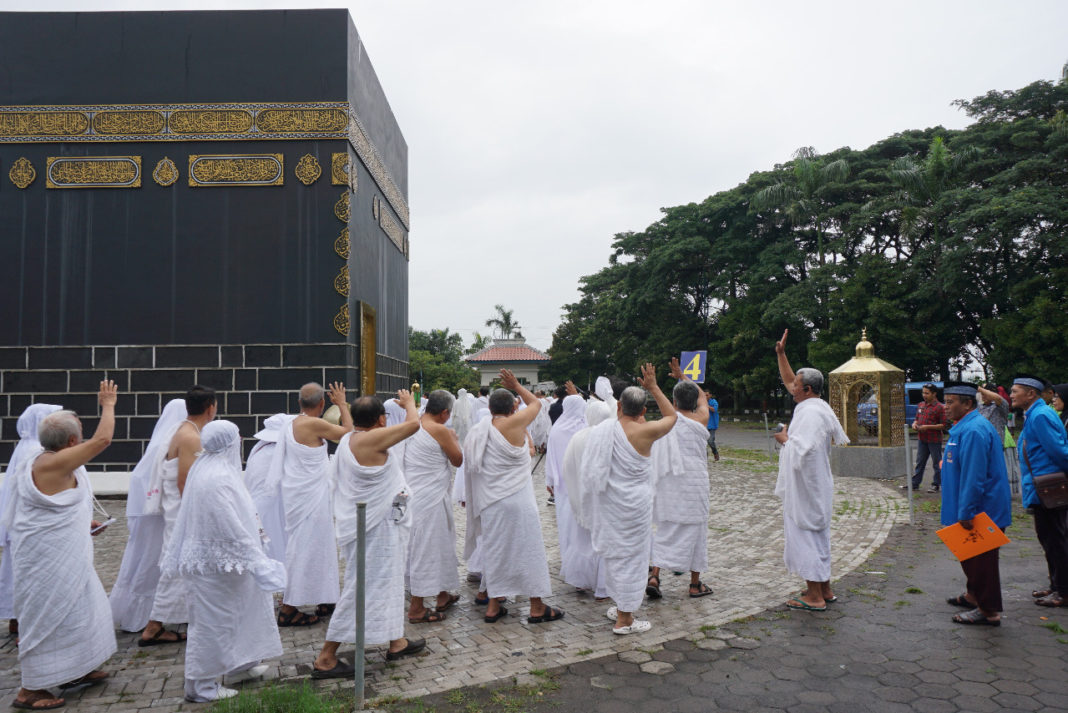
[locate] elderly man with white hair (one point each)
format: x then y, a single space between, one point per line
805 483
26 427
217 547
65 625
680 510
618 498
301 465
432 564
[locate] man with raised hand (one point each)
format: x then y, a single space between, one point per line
65 625
618 496
367 470
502 515
432 565
805 483
301 466
680 510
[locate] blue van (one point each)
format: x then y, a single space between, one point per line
914 395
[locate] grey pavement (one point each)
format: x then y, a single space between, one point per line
746 573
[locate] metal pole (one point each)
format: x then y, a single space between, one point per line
361 591
767 432
908 473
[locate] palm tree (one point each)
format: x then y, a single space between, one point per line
802 198
923 184
503 323
478 343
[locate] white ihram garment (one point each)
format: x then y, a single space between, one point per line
216 547
311 550
502 515
386 545
432 564
26 427
65 627
171 604
266 491
680 507
806 487
134 591
459 487
617 502
573 564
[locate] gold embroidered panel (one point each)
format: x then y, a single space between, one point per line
342 245
165 172
341 282
394 231
93 172
211 121
236 170
341 320
128 123
308 169
22 172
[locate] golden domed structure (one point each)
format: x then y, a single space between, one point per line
868 396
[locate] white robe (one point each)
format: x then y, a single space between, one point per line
216 547
617 501
432 563
311 550
134 591
267 497
806 487
502 515
386 546
575 553
65 626
26 427
171 603
680 508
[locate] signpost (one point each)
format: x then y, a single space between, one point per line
693 365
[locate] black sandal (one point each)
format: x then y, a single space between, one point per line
653 591
975 617
960 601
179 637
703 590
341 670
429 617
549 614
490 619
296 618
324 610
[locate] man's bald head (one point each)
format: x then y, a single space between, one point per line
311 395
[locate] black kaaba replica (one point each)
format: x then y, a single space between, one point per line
196 197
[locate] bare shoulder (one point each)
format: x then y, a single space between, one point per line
186 437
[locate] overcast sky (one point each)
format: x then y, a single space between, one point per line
538 130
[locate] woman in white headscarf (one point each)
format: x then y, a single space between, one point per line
572 420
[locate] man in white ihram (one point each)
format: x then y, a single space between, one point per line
680 510
65 625
502 515
301 465
216 547
134 592
267 493
573 565
806 485
432 565
367 470
617 498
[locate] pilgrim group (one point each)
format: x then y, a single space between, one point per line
211 544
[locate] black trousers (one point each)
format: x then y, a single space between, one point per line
1051 526
984 579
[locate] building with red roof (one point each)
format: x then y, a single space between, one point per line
513 354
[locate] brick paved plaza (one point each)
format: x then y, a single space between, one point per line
746 573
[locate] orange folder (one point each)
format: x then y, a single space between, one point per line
965 544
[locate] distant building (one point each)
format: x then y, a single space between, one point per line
513 354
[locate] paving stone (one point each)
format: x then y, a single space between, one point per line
635 657
658 668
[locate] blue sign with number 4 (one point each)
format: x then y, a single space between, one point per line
693 365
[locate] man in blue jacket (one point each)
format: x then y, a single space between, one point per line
1043 447
974 481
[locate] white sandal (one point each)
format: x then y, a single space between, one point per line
636 627
612 613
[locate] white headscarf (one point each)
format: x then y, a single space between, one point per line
461 415
572 420
174 413
395 413
27 426
603 390
272 428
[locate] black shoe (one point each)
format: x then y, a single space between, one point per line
934 488
414 646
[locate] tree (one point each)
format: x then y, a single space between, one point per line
435 361
478 343
503 323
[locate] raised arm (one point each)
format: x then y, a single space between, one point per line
51 473
324 429
382 439
446 438
785 372
650 431
701 412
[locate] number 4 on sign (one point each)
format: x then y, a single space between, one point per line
694 365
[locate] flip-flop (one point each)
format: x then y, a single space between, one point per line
975 617
1037 594
449 604
484 602
324 610
157 641
87 680
830 600
28 703
653 590
341 670
803 605
549 614
296 618
1052 599
960 601
703 590
414 646
429 617
492 618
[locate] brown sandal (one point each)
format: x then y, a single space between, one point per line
429 617
37 697
296 618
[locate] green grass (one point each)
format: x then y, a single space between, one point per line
705 628
1055 627
584 652
284 699
913 590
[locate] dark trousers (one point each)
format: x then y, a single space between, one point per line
712 441
1051 526
923 451
984 579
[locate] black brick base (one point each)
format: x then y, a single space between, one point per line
253 381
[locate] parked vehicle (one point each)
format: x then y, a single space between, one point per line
914 395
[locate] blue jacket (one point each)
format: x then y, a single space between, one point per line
713 415
974 478
1046 443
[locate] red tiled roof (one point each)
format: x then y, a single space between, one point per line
508 353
